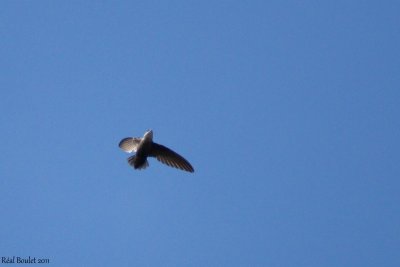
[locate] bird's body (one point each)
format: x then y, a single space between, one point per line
145 147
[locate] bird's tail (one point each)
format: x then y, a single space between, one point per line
138 162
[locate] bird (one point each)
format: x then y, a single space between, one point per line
145 147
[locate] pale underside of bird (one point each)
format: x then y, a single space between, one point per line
145 147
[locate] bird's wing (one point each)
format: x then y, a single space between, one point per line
170 158
129 144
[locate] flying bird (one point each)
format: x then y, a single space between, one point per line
145 147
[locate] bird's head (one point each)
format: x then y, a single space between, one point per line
148 135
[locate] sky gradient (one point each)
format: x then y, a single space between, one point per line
287 110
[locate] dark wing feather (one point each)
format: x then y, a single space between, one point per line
170 158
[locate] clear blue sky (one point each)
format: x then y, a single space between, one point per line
288 111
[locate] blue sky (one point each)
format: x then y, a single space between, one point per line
288 111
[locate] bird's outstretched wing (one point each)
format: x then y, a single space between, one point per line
129 144
170 158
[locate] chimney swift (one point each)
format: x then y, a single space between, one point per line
145 147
